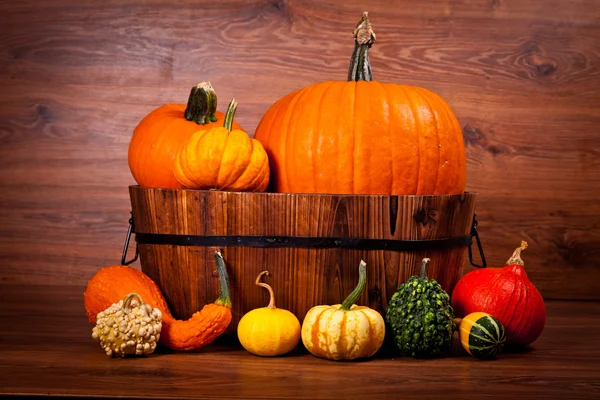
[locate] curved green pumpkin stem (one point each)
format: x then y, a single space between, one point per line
202 104
230 114
424 268
224 297
364 37
362 282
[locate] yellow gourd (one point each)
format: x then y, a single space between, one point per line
346 331
269 331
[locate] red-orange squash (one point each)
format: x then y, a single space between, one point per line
158 137
363 136
508 295
111 284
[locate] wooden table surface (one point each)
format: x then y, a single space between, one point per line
46 349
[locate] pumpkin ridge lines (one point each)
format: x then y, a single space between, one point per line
342 158
415 123
247 169
480 327
354 137
217 186
315 331
343 342
183 158
235 169
275 141
311 144
505 308
493 322
283 147
515 303
356 344
424 97
155 144
486 348
327 329
482 338
316 129
522 322
137 145
386 96
371 334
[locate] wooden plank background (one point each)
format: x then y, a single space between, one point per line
523 77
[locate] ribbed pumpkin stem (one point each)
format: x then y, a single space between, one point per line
266 286
230 114
202 104
424 268
516 259
362 282
364 37
224 297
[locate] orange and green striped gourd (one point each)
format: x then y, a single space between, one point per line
481 335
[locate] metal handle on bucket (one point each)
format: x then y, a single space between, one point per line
126 246
475 233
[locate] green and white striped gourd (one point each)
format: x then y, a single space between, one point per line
481 335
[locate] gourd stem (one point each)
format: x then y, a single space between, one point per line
224 296
127 302
230 114
364 37
516 259
269 288
362 282
424 268
202 104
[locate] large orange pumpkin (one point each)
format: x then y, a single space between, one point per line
363 136
158 137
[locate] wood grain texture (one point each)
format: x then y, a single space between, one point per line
303 277
47 349
523 78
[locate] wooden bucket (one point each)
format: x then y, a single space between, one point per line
310 244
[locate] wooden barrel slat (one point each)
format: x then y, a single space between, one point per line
301 277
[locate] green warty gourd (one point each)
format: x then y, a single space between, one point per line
420 318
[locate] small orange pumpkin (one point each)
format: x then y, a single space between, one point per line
363 136
158 137
223 159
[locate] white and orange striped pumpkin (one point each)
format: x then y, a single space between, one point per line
344 331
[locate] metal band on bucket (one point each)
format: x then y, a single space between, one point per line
303 242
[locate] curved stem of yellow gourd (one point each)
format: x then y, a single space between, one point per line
362 283
364 37
266 286
127 302
230 114
202 104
